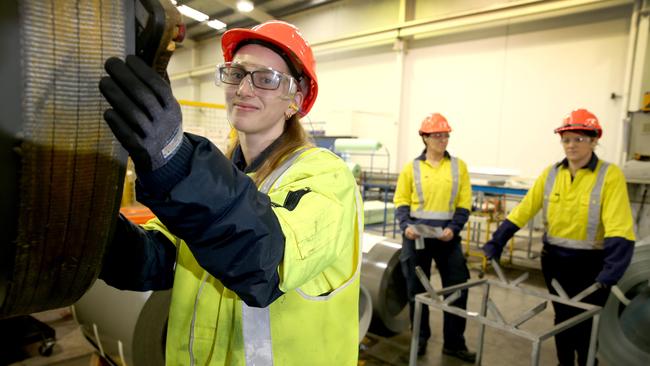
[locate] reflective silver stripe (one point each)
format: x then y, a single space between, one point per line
575 244
432 215
196 305
256 327
594 203
268 183
418 184
454 184
420 213
256 322
548 188
593 216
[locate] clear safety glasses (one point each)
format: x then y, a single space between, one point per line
577 140
262 78
437 135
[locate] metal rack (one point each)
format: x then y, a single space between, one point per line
376 181
436 300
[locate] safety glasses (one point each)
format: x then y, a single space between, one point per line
262 78
577 140
437 135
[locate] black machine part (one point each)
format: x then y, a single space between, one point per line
158 28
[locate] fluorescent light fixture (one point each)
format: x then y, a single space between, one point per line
245 6
192 13
216 24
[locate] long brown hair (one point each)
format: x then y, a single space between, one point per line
292 138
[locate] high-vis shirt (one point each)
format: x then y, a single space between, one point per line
233 305
434 195
580 212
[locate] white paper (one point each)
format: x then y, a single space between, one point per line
427 231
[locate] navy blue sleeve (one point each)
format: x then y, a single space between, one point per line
618 254
402 213
226 222
137 259
504 232
458 221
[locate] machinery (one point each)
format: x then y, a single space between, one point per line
62 169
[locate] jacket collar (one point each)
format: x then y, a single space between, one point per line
591 165
423 156
240 162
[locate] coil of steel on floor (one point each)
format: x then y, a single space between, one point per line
624 331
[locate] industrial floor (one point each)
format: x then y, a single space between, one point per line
500 348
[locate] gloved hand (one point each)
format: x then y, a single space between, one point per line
492 250
145 118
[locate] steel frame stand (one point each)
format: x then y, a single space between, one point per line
436 300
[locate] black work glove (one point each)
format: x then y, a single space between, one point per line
492 250
145 118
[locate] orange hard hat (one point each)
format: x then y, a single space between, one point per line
289 40
580 120
433 123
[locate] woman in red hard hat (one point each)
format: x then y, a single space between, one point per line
433 199
589 232
261 245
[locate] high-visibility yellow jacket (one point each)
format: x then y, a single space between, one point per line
571 202
436 196
311 314
590 211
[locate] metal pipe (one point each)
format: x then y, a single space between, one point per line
627 85
511 12
417 318
534 355
591 355
481 334
570 322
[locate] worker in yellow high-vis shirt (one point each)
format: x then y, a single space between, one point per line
589 232
433 200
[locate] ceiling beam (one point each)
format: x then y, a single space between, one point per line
278 13
226 13
256 14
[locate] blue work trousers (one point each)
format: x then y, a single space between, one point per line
574 273
452 267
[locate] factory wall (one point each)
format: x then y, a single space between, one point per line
503 88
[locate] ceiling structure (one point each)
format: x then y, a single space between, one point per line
226 11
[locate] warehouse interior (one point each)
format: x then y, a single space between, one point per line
504 73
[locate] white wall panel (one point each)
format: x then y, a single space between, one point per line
549 73
504 94
461 80
357 96
503 89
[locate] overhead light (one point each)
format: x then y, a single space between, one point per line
245 6
192 13
216 24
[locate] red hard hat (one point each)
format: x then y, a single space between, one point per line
580 120
289 39
433 123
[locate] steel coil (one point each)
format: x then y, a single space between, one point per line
125 326
620 343
382 275
365 312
